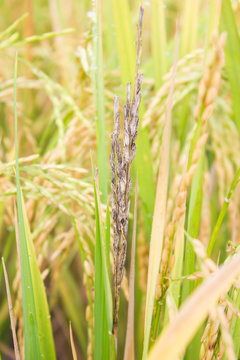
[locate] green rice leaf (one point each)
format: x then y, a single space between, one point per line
100 331
232 55
158 224
213 21
98 82
193 222
124 39
104 261
103 309
190 18
108 238
158 40
38 339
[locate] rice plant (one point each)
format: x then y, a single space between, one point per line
119 180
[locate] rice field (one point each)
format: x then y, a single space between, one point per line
119 180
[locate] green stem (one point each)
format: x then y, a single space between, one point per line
222 213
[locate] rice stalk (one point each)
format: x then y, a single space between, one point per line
155 253
129 345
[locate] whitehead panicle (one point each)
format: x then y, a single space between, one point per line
121 158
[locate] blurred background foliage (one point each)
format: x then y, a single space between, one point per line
66 83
